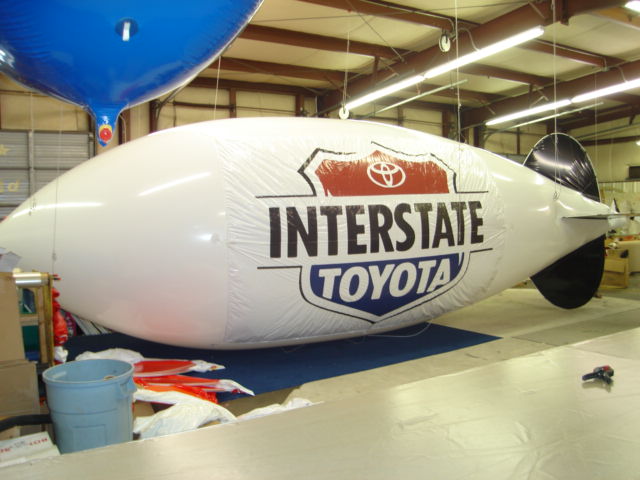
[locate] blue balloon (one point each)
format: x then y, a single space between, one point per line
108 56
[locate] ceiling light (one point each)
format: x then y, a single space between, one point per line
602 92
394 87
485 52
446 67
620 87
530 111
555 115
635 5
638 143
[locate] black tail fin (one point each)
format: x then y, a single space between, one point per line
573 280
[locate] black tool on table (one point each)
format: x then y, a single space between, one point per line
604 373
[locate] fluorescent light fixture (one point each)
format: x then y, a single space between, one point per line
602 92
635 5
530 111
447 67
415 97
394 87
485 52
620 87
555 115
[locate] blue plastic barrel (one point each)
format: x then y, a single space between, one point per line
90 403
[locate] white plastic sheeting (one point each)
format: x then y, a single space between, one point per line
527 418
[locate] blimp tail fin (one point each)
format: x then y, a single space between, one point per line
574 279
562 159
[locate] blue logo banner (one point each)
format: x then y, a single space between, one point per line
379 288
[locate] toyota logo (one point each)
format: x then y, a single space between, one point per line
386 175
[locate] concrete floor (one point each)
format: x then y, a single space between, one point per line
523 319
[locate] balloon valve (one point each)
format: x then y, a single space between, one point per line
105 134
126 28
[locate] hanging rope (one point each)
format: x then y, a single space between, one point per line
556 192
215 97
378 34
458 102
346 69
54 255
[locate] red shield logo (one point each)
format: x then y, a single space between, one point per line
380 174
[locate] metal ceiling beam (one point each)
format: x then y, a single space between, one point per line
516 21
626 98
622 16
601 116
417 105
279 69
205 82
560 91
480 97
318 42
252 66
575 54
505 74
395 12
466 95
628 139
564 10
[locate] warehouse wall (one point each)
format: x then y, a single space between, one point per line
611 160
42 137
514 141
422 120
21 109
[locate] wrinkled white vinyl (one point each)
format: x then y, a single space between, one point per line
270 231
369 229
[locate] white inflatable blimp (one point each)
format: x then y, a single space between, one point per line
272 231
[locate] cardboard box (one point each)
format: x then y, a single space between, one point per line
18 380
616 272
9 433
633 247
11 345
28 447
18 388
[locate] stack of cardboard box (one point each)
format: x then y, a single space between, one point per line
616 269
18 379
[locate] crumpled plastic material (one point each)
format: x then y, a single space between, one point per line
276 408
163 375
188 413
208 384
60 354
202 366
150 366
113 354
